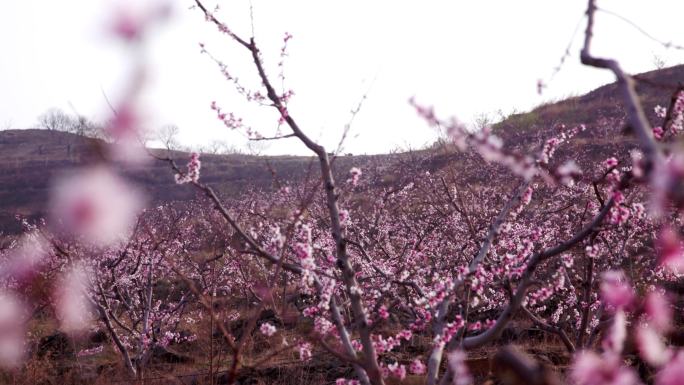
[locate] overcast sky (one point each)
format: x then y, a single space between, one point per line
464 57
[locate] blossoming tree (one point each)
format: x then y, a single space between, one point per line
582 251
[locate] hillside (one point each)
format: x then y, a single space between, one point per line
30 158
600 110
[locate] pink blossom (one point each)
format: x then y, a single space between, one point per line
592 369
230 120
167 338
12 330
615 339
666 181
651 346
23 262
610 162
305 351
284 114
383 313
344 217
355 175
591 251
638 210
310 311
567 172
671 252
131 22
383 344
619 215
527 196
398 371
285 97
71 303
658 132
405 335
356 344
549 149
125 129
658 311
125 123
615 290
673 372
417 367
461 374
613 180
193 173
267 329
127 25
95 204
322 326
637 163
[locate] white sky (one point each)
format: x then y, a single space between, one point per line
464 57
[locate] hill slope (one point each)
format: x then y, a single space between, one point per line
29 159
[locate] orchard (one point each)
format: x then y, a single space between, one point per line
396 280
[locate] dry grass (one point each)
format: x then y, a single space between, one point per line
282 369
